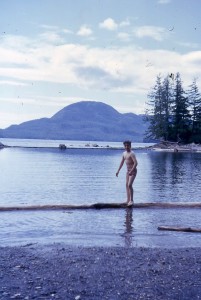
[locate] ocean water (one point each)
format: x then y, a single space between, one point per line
39 176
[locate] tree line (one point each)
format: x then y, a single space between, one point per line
173 113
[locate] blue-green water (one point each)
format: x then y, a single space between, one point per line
36 176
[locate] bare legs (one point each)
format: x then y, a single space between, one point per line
129 187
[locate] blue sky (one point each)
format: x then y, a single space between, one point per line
57 52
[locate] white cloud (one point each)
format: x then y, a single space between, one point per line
14 83
193 57
121 70
156 33
188 45
52 37
109 24
49 27
56 29
124 36
67 31
85 31
124 23
10 42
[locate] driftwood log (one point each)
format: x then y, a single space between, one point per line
100 206
64 207
184 229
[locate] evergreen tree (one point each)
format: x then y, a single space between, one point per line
181 116
154 112
173 114
195 108
167 107
158 113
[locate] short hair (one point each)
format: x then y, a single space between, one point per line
127 143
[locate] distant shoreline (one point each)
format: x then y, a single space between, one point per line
64 147
162 147
176 147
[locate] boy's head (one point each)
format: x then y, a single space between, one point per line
127 145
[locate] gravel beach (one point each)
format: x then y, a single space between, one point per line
61 272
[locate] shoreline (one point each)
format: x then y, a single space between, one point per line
162 147
176 147
64 147
58 271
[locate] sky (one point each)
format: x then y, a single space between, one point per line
57 52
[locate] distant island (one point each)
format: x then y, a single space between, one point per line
84 121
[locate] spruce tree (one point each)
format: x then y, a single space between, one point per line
167 90
194 98
180 113
172 113
154 111
158 113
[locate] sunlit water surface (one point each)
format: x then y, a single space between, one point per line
37 176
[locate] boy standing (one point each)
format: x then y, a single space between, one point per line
131 163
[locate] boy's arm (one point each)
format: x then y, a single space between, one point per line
120 166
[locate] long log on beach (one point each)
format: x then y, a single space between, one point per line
100 206
184 229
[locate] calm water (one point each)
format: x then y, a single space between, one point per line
31 176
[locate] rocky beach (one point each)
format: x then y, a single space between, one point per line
62 272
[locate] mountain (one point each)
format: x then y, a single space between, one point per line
86 121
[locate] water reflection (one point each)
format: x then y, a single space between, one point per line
178 169
172 173
128 225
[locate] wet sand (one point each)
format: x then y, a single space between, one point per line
61 272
